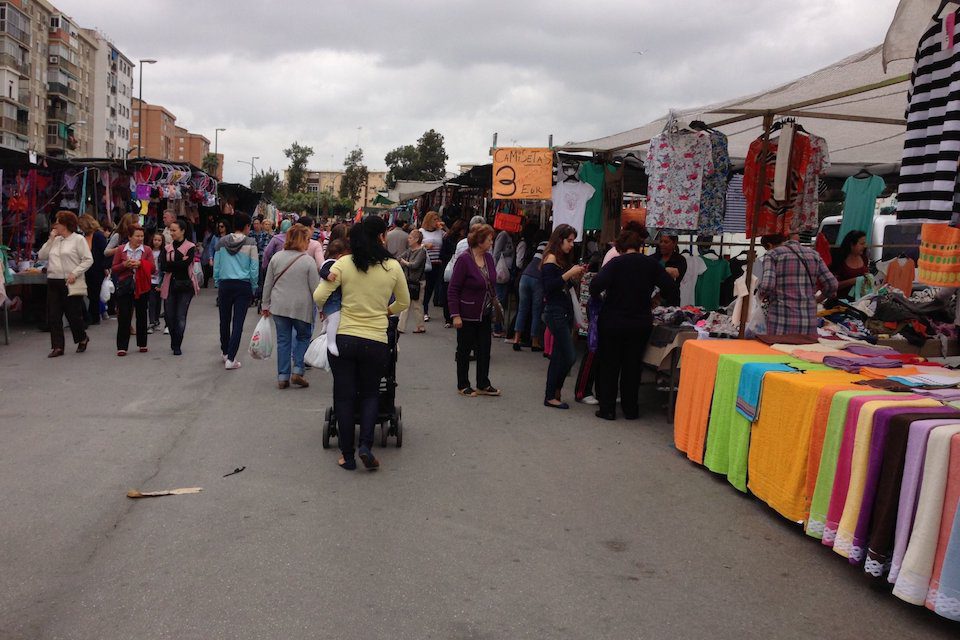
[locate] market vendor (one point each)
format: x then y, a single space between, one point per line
850 262
670 258
792 276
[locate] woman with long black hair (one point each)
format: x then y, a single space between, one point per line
850 262
179 281
366 278
558 274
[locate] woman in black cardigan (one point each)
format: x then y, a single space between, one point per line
625 323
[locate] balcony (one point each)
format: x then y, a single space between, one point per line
11 62
58 114
66 65
13 126
61 89
15 32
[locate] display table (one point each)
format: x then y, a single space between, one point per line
666 357
698 372
29 278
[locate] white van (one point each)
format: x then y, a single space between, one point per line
887 230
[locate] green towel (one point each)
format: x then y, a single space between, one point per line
828 459
728 432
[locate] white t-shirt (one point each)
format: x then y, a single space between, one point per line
569 204
688 286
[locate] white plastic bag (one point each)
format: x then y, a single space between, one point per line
756 320
198 273
578 318
503 270
106 290
316 355
261 343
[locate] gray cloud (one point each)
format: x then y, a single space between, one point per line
272 72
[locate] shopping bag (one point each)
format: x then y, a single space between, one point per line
756 320
503 270
106 290
578 319
261 343
198 273
316 355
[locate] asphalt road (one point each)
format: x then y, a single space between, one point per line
498 518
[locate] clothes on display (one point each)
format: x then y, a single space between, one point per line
676 163
859 205
592 173
688 284
570 199
807 206
713 194
735 214
931 148
939 263
708 283
899 273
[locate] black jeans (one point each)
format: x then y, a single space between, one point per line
58 304
154 305
619 357
560 323
175 308
207 274
356 382
235 297
473 336
431 277
95 278
126 305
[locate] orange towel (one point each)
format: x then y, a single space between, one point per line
818 430
698 372
780 439
880 374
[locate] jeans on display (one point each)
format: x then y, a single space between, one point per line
293 338
619 357
235 297
356 374
431 277
473 337
560 323
126 306
60 304
530 307
175 309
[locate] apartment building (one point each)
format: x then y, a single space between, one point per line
329 181
15 67
159 137
111 110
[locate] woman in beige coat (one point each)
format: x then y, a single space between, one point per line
68 258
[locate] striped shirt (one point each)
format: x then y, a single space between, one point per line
735 216
931 149
792 275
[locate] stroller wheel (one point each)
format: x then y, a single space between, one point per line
399 433
384 432
327 427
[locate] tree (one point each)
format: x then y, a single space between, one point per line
210 164
312 203
354 176
267 182
296 174
401 165
425 161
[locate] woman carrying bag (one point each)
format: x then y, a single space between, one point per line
133 266
288 287
68 258
413 261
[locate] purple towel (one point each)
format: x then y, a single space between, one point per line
853 365
910 489
878 439
865 350
945 395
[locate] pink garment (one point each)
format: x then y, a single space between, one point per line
547 342
165 286
817 356
950 503
841 478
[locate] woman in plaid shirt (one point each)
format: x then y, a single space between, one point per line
791 278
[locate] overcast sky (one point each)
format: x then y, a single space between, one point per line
329 73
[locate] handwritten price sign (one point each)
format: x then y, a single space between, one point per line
520 173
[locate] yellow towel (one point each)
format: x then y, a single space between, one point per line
780 439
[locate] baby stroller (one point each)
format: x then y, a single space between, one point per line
388 413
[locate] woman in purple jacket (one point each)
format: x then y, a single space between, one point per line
470 296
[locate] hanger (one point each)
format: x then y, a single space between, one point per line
782 121
863 173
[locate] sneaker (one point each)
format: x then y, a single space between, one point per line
589 400
166 331
224 357
150 330
231 364
426 318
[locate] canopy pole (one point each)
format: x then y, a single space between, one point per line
757 203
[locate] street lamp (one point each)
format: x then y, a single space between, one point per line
140 106
66 133
216 133
251 167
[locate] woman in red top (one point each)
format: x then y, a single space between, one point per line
133 264
850 262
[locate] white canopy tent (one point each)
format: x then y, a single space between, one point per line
859 110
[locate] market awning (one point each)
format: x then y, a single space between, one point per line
380 199
853 143
909 23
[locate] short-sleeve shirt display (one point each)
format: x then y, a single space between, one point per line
775 216
570 203
859 205
675 165
688 286
714 190
807 205
593 174
708 284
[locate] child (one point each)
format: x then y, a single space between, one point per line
154 302
331 309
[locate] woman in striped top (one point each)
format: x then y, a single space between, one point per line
432 231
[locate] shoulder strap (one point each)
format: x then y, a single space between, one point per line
277 279
813 281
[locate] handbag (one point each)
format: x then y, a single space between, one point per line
496 307
122 287
508 222
79 287
414 289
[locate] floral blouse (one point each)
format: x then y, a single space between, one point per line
713 195
676 164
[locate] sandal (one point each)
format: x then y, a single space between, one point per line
349 465
369 461
420 330
468 392
489 390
